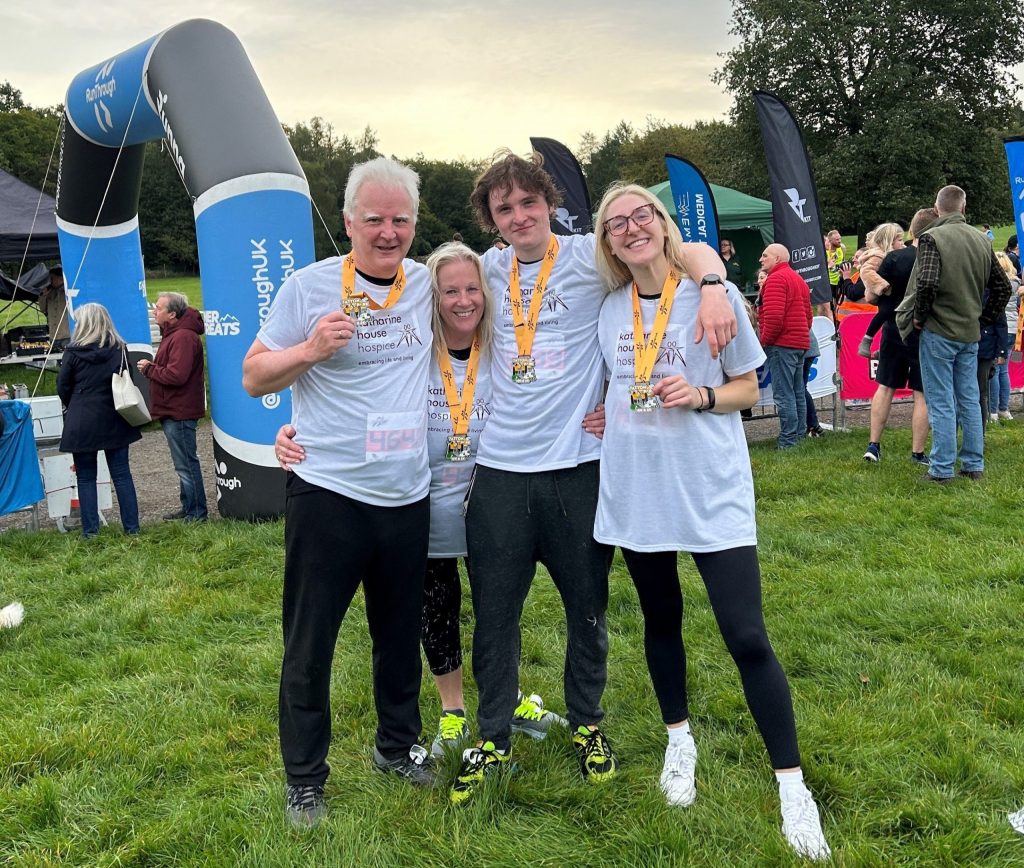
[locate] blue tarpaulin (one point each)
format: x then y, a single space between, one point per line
20 482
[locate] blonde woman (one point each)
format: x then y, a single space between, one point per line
91 423
676 476
881 241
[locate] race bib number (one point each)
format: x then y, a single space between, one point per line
394 436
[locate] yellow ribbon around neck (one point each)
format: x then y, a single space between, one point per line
526 329
460 403
348 285
646 352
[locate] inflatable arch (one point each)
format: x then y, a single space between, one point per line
194 87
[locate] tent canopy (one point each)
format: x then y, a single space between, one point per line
27 217
745 220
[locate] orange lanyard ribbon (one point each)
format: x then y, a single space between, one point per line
646 352
526 329
348 286
460 404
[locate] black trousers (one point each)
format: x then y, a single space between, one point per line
733 581
515 520
332 543
442 603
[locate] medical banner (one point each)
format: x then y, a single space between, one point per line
794 195
572 217
695 205
1015 162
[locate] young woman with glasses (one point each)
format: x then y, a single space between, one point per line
675 476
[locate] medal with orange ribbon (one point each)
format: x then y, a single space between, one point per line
460 403
359 305
524 366
645 352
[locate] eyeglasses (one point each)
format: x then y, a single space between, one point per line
640 216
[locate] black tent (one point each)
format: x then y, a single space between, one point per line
27 217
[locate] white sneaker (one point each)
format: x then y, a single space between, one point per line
1017 821
802 826
1005 414
677 776
993 417
12 615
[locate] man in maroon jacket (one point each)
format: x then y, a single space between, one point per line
785 324
177 396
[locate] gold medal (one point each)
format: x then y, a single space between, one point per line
645 352
642 398
358 307
524 369
458 448
460 403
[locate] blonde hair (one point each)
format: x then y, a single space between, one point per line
448 254
885 236
93 325
1006 264
613 271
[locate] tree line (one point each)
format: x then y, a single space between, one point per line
895 100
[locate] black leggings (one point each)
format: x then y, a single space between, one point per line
442 601
733 581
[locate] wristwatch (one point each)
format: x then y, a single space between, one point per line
711 280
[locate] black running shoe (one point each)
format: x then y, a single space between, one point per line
594 751
416 767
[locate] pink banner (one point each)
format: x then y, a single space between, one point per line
858 373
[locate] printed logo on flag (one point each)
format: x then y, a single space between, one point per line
797 204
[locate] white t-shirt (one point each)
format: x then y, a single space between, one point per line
673 479
360 414
539 426
449 480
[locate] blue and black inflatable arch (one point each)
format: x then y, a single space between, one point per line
193 86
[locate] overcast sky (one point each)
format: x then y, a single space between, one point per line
446 79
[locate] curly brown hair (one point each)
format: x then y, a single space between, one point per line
508 170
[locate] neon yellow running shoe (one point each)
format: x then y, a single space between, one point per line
476 762
530 717
594 751
452 729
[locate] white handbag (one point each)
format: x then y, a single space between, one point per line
128 400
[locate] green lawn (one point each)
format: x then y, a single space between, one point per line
139 722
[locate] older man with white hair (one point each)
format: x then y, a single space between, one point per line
351 336
785 324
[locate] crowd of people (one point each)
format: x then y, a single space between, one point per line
570 394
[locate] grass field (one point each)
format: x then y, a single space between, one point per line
139 721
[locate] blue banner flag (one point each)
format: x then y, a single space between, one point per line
695 206
1015 163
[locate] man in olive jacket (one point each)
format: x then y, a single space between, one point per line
177 394
945 302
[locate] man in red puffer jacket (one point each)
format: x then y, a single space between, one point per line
785 323
177 396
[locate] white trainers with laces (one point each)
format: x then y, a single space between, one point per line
1017 821
679 772
1006 415
802 826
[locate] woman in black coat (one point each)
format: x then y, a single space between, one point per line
90 421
